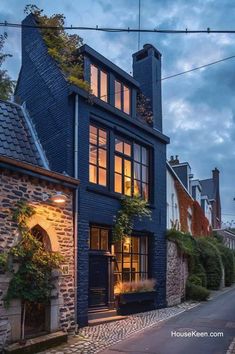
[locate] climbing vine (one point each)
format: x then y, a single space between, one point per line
62 46
131 208
31 282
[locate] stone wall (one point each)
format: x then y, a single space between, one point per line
177 273
57 221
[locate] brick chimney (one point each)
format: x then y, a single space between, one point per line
147 70
174 160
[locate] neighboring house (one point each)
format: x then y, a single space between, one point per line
228 237
24 175
113 152
184 209
211 189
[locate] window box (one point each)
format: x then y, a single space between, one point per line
135 302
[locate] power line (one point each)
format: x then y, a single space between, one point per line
198 67
110 29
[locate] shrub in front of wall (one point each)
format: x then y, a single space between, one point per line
196 292
210 258
194 279
228 263
196 268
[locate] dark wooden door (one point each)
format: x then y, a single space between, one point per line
98 281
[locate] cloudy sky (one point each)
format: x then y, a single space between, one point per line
199 107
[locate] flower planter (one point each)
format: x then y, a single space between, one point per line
129 303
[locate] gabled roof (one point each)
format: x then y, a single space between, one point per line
17 137
208 188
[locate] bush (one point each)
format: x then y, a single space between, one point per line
196 292
196 268
211 260
194 279
228 263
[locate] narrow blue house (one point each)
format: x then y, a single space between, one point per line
114 150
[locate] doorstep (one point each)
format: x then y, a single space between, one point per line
99 316
37 344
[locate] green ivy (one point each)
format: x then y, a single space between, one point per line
131 208
62 47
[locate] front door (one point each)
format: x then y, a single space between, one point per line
98 281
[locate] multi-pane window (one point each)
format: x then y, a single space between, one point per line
98 156
141 171
122 97
99 238
131 259
99 82
131 169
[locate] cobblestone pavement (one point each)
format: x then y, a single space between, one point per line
231 349
93 339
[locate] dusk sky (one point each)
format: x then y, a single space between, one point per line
198 107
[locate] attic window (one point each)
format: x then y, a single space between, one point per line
142 55
99 83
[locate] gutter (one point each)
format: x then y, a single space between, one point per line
75 208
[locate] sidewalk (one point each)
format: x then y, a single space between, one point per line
91 340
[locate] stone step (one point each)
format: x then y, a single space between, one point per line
98 314
37 344
98 321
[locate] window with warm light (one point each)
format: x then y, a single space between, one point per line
131 169
98 156
122 97
131 259
99 82
99 238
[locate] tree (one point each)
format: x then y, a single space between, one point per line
32 281
6 84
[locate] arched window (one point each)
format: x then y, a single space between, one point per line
41 235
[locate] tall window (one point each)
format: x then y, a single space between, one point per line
98 156
122 97
131 263
99 82
131 169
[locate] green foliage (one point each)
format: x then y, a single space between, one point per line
62 46
196 292
6 84
32 281
185 241
3 262
130 209
211 260
194 279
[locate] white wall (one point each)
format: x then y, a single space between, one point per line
172 201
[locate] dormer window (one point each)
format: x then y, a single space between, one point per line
99 82
122 97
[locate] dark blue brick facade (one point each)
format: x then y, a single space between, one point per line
51 103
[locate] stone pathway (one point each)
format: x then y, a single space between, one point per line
91 340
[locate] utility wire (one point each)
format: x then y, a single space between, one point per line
110 29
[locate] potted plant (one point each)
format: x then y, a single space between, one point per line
134 297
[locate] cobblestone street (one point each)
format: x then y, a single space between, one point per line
91 340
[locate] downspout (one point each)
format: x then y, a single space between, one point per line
75 207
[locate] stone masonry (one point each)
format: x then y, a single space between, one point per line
177 273
58 224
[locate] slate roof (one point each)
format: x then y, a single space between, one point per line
16 138
208 188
